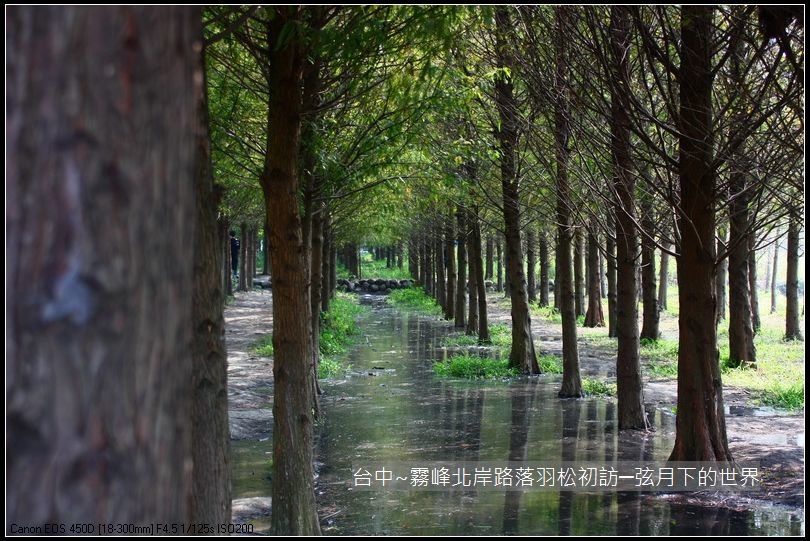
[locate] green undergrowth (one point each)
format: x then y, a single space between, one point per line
474 367
415 298
549 313
338 331
550 364
595 387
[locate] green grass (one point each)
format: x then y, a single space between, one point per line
550 364
459 340
338 330
414 298
549 313
661 357
501 335
474 367
593 387
263 347
377 269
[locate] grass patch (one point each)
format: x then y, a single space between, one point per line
661 357
329 367
501 335
550 364
414 298
474 367
459 339
593 387
549 313
790 397
263 347
370 268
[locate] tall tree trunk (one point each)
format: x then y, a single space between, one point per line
399 255
700 425
557 282
579 272
211 475
266 254
441 284
610 245
483 324
572 383
226 245
315 288
294 511
499 251
628 367
774 272
663 275
506 285
100 204
543 269
530 264
602 277
413 259
721 278
752 282
449 236
461 252
490 249
243 246
742 350
326 260
522 354
472 289
792 327
594 316
649 293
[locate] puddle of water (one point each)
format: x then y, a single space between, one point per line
252 467
409 415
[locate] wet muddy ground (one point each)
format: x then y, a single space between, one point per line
391 408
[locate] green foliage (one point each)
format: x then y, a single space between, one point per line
501 335
548 313
416 299
372 268
459 339
263 347
474 367
661 356
593 387
329 367
790 397
581 320
339 325
550 364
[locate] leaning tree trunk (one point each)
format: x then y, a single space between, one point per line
100 150
461 286
792 327
522 355
543 269
294 510
211 475
572 382
628 366
594 316
475 255
700 426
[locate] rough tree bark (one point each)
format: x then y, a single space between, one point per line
610 246
478 266
579 272
721 277
649 293
700 426
572 382
472 288
490 249
499 250
211 477
628 367
522 354
294 511
543 268
663 275
594 316
100 149
792 327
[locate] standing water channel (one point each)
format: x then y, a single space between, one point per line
391 408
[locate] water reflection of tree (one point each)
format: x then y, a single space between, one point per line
518 438
570 433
